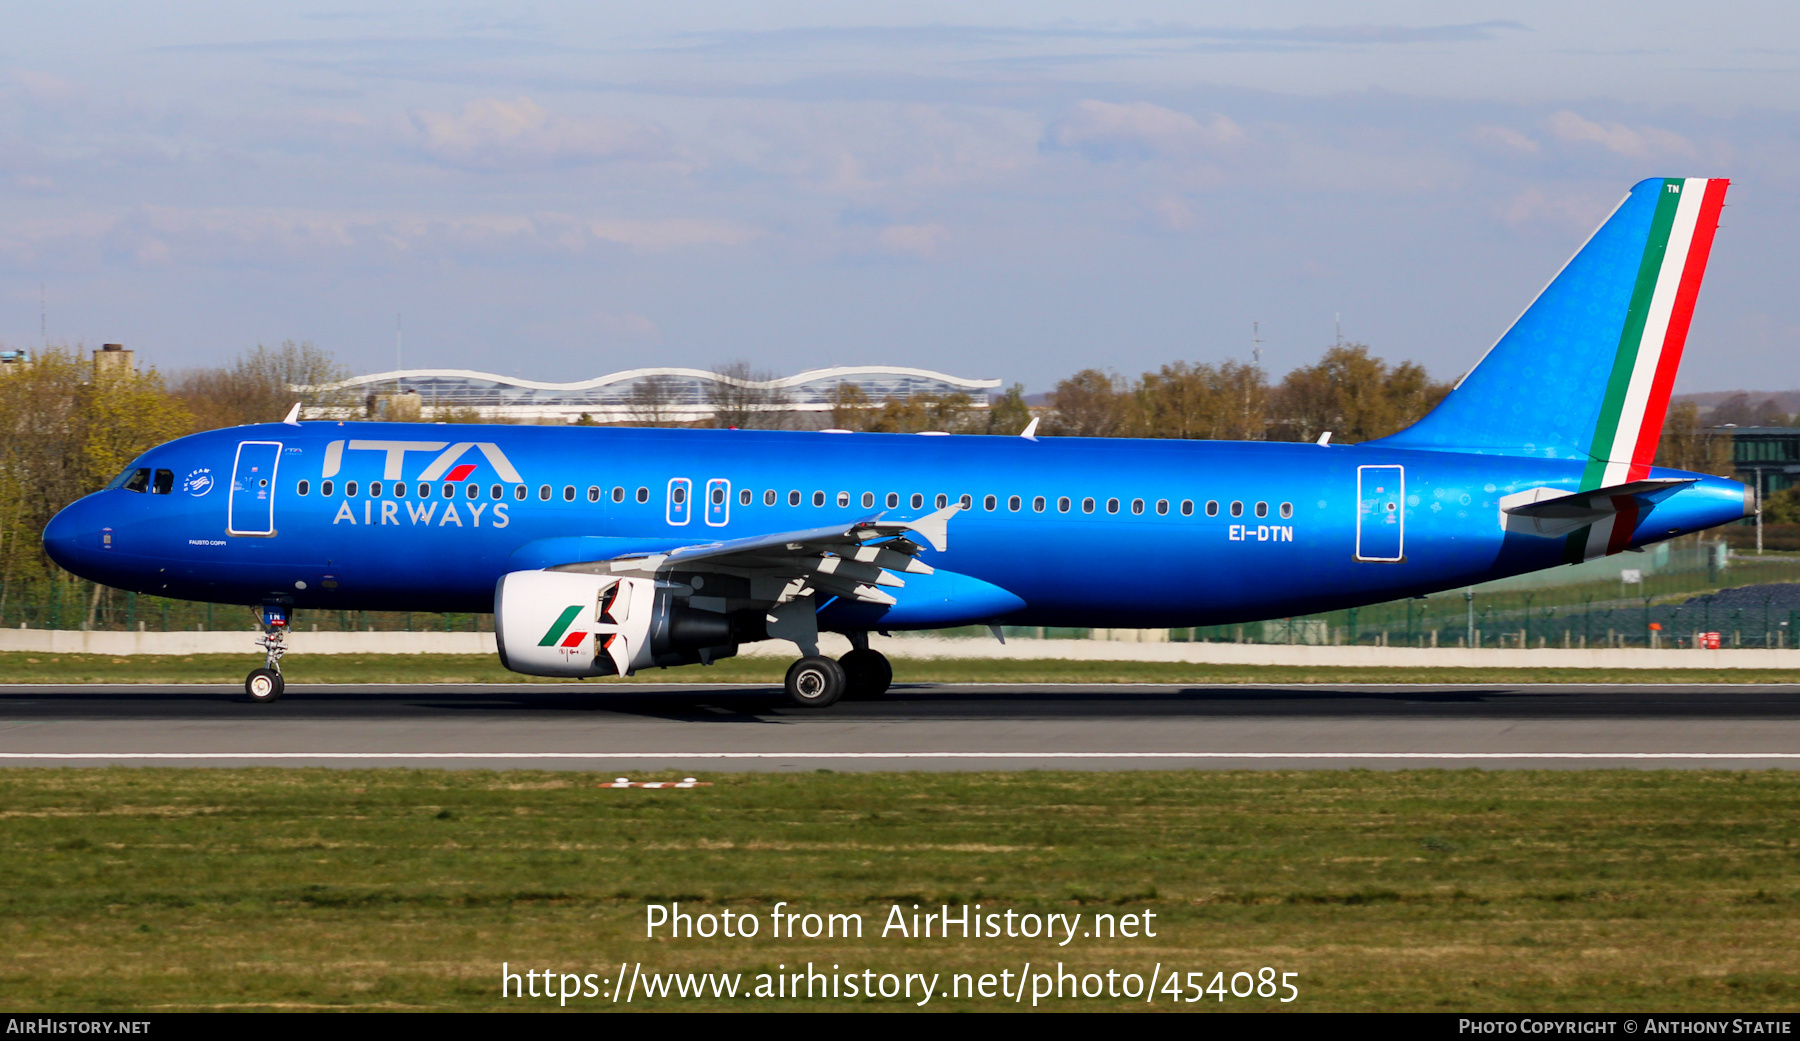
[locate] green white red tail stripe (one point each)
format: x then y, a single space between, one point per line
1662 305
1649 354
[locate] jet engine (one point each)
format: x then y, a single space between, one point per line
573 623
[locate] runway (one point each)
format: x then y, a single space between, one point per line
690 727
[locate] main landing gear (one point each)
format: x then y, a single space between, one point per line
265 684
863 674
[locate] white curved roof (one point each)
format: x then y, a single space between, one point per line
838 372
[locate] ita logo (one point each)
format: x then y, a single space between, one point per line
559 634
198 482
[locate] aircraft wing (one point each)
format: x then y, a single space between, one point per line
852 561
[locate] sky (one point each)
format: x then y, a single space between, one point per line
997 190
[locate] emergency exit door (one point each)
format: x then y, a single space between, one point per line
1381 513
251 509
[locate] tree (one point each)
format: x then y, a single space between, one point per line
746 399
263 383
1353 394
1687 445
68 430
1182 400
1734 411
1783 507
1008 413
652 401
1086 404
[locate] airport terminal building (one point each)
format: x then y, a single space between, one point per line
650 395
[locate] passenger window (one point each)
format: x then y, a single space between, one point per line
450 491
301 488
349 487
1037 504
1212 507
989 504
769 497
942 500
1062 504
744 497
643 494
1012 503
1287 510
1187 507
718 495
520 493
1087 505
496 492
1262 509
868 500
568 493
618 493
1137 505
843 499
967 502
818 498
794 497
473 490
375 489
1162 507
425 489
164 483
325 488
1112 505
918 501
1237 508
677 493
399 490
893 500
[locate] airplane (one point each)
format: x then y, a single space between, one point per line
604 551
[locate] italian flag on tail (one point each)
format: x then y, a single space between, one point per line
1649 354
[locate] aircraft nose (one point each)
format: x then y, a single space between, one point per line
67 534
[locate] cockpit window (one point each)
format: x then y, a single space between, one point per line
163 483
138 481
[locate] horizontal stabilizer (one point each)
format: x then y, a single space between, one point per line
1553 512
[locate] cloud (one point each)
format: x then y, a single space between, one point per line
671 234
163 235
1102 130
490 134
1505 137
1640 143
1577 212
918 240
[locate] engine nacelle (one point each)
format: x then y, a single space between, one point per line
568 623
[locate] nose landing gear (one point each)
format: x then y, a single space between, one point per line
265 684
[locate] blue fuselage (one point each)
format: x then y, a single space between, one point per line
1085 532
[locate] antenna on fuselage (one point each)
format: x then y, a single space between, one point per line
293 416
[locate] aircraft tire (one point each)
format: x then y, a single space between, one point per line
815 682
263 686
867 675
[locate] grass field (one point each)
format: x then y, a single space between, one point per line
148 889
26 667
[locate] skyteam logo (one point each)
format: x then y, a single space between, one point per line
560 635
199 482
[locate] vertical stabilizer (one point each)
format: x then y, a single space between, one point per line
1586 371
